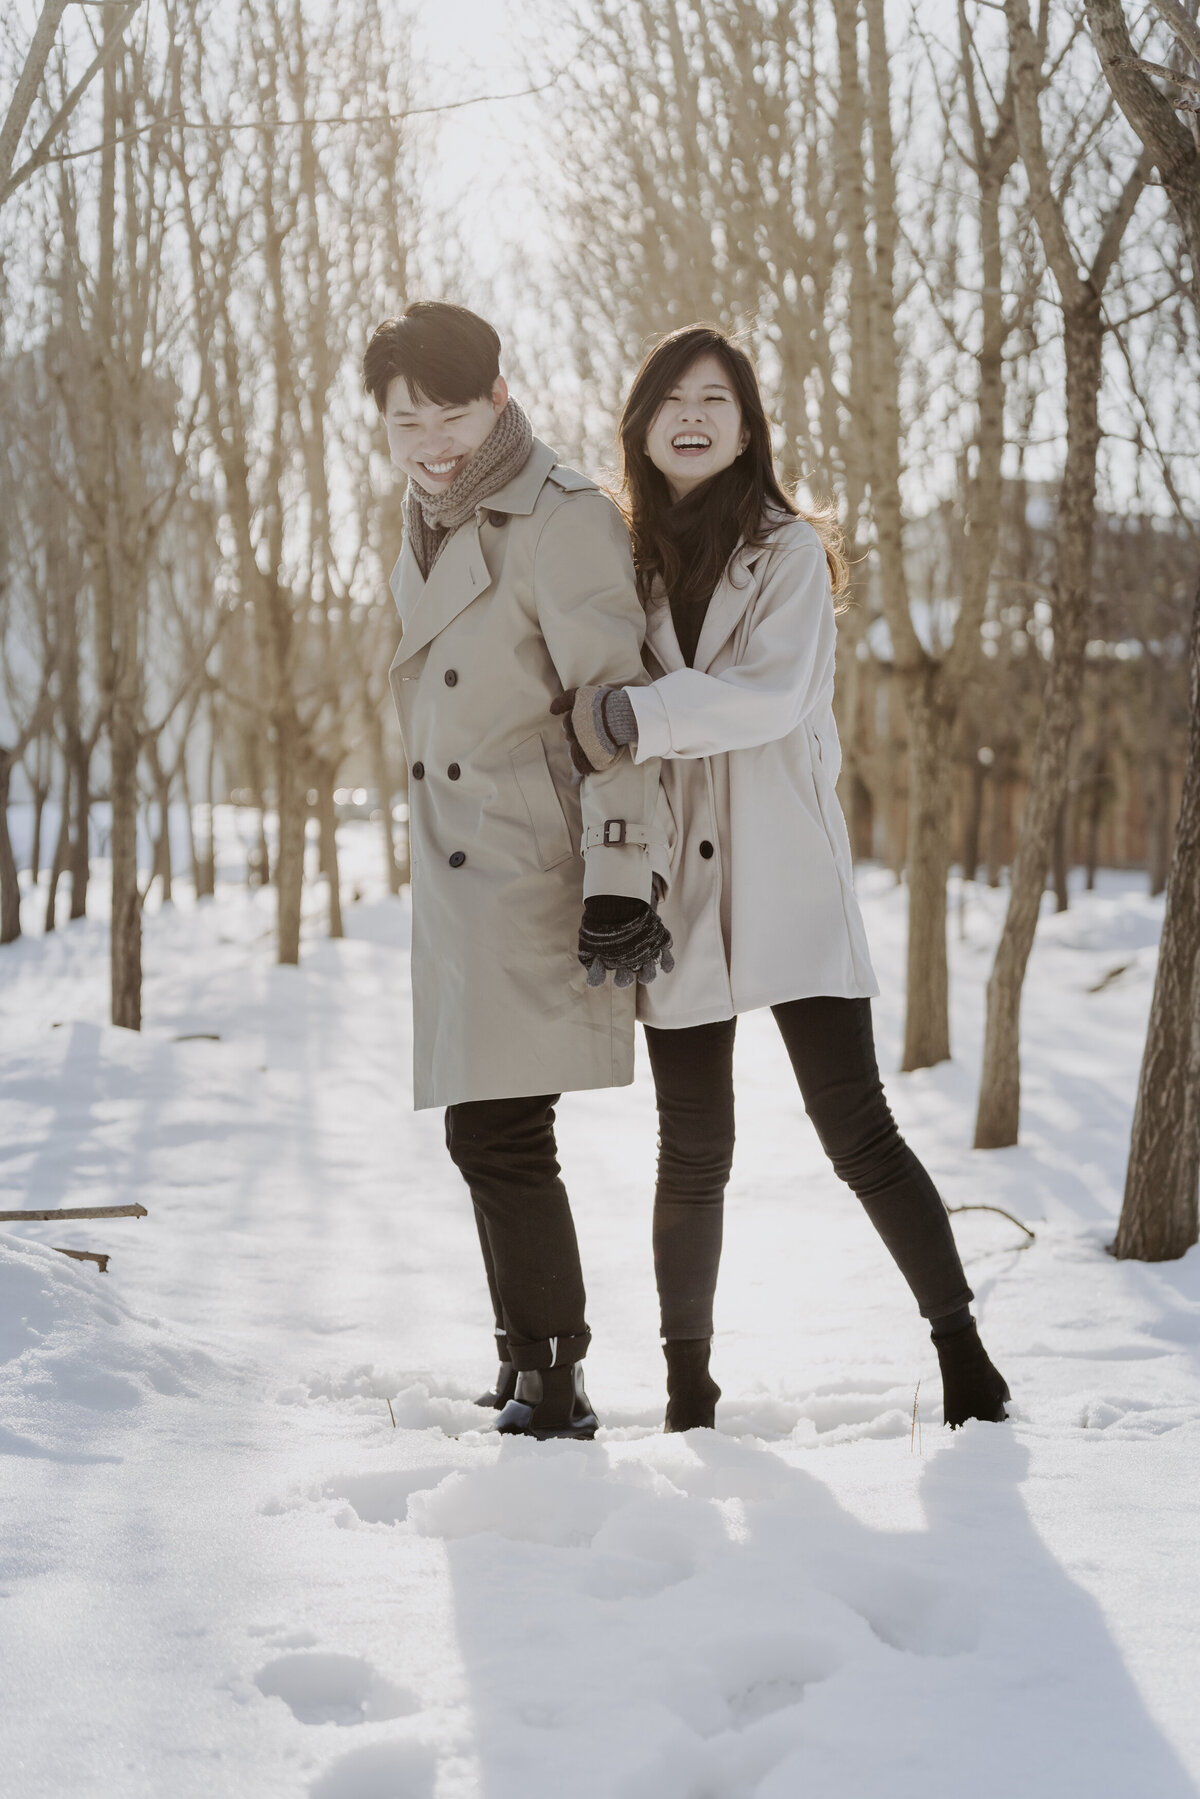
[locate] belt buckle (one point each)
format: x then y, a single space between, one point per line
614 831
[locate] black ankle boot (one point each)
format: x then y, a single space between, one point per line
549 1402
971 1386
692 1393
506 1386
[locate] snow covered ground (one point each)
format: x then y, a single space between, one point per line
223 1572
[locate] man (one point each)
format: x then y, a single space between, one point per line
515 582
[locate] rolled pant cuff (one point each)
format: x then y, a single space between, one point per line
552 1352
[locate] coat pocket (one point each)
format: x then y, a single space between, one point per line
532 774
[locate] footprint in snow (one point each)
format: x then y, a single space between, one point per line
381 1771
322 1688
383 1498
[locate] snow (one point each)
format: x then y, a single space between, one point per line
223 1571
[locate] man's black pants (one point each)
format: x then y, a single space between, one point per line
505 1151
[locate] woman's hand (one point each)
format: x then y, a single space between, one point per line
598 723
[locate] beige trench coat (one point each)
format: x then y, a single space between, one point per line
761 902
534 595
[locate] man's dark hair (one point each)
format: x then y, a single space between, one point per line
446 354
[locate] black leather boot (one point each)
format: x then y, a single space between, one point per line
692 1393
506 1386
549 1402
971 1386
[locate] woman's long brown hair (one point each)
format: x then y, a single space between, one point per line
688 542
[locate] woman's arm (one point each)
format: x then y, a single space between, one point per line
787 667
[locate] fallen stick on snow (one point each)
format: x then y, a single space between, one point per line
76 1212
998 1209
100 1257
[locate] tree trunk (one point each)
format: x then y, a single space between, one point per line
927 1014
79 840
1061 860
62 849
126 897
40 795
10 886
998 1116
185 788
327 821
973 822
206 867
998 819
289 855
163 868
1160 1216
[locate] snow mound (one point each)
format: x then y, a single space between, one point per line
71 1349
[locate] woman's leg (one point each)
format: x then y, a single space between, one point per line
693 1084
832 1049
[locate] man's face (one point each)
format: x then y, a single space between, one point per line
432 443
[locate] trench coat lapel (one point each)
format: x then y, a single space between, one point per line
460 573
458 577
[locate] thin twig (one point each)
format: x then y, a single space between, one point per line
391 1414
915 1438
76 1212
1003 1214
100 1257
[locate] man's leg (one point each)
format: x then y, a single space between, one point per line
505 1151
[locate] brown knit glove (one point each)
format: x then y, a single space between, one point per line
598 722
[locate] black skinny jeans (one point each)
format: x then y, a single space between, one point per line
832 1049
506 1153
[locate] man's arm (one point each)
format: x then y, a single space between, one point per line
593 624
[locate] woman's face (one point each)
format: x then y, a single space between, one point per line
698 429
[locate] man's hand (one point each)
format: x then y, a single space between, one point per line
598 723
624 936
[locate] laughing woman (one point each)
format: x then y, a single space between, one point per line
738 589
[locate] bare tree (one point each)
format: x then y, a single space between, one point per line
117 19
1160 1216
1081 292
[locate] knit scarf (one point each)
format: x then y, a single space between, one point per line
431 518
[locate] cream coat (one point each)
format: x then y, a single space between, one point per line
514 612
761 902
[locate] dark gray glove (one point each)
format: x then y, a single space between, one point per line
626 936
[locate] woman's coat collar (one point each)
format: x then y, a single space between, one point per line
730 600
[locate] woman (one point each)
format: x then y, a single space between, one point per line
738 588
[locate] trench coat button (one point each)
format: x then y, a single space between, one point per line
706 849
454 771
418 771
458 858
497 518
451 677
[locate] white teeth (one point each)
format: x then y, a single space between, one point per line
439 468
691 443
